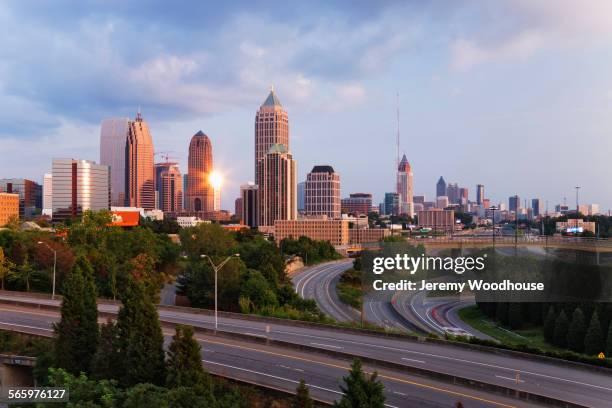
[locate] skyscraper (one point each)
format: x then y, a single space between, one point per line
452 192
322 192
78 185
169 187
47 207
301 193
357 204
392 202
404 187
463 195
536 206
441 187
200 193
113 137
271 127
250 202
277 186
514 203
139 172
479 194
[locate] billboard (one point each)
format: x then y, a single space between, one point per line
125 218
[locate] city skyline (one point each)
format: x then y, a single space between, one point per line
462 92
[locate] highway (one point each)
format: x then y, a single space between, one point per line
282 369
588 387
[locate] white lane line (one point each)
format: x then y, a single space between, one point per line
326 345
399 393
254 334
25 326
290 368
412 359
509 378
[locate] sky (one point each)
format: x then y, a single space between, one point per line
515 95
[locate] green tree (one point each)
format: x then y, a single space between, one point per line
77 330
185 360
140 338
594 341
84 392
302 396
361 390
104 364
577 331
561 328
24 274
549 325
515 316
6 266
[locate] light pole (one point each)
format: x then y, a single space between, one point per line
493 209
217 268
54 266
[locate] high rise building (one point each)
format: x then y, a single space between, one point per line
30 195
463 196
271 127
200 193
169 187
301 193
78 186
392 202
139 168
322 192
357 204
453 194
442 202
113 138
250 204
536 206
277 186
238 208
479 194
47 207
9 207
441 187
405 187
514 203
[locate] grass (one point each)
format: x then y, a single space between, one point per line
349 294
531 336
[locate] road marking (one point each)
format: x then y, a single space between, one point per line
290 368
26 327
388 377
326 345
254 334
411 359
399 393
509 378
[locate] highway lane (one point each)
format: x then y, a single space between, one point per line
585 386
319 283
282 369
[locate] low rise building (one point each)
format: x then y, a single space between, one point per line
186 222
575 226
9 207
365 235
336 231
437 219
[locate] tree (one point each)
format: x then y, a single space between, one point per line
6 266
561 328
502 313
515 315
184 360
24 274
594 341
104 364
140 338
302 396
77 330
577 331
361 390
549 325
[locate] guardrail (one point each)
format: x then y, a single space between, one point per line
375 362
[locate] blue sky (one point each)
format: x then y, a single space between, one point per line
516 95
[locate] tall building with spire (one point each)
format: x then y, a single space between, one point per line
113 138
200 193
405 187
277 183
441 187
139 166
271 127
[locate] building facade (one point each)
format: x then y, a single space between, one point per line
200 192
514 203
322 192
277 186
392 203
317 228
113 138
30 195
357 204
47 207
441 187
301 193
139 171
480 194
250 204
452 192
536 206
271 127
437 220
405 187
366 235
78 186
9 207
169 185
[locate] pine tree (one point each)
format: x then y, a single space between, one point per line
609 342
104 364
361 390
77 331
549 325
515 316
184 360
577 331
594 341
140 338
302 397
561 328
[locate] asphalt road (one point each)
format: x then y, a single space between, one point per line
583 386
282 369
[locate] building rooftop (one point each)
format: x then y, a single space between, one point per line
272 99
404 165
278 148
323 169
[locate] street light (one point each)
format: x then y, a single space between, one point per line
54 266
217 268
493 209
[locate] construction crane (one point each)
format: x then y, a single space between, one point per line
165 155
